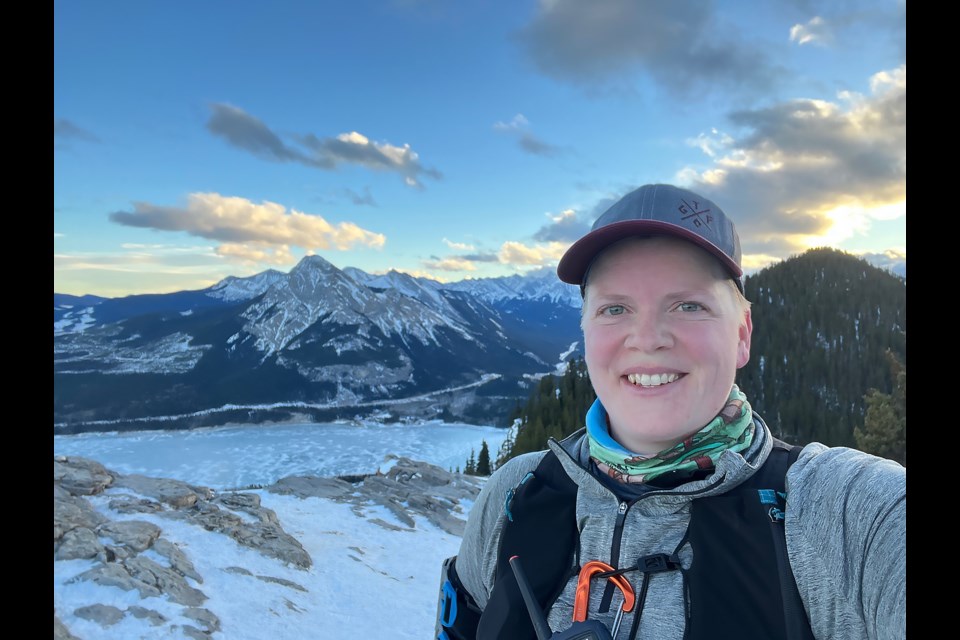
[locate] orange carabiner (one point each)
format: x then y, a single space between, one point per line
582 600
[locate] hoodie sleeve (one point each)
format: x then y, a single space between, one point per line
846 539
477 558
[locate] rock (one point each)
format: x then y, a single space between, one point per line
72 513
208 619
78 544
248 503
311 487
172 492
155 618
178 560
80 476
135 534
164 580
387 525
114 574
284 582
103 614
115 553
408 490
60 631
194 633
130 504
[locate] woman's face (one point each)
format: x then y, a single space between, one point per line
664 335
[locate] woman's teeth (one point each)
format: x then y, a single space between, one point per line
655 380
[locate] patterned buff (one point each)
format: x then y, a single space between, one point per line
732 430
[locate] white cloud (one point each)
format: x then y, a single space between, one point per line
519 121
805 172
459 246
244 131
257 253
517 253
816 31
234 220
450 264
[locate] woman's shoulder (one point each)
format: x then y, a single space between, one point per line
824 476
511 472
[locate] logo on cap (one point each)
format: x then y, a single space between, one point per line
687 212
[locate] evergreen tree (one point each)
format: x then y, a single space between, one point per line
471 468
884 431
555 409
483 460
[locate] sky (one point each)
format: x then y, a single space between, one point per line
468 139
365 579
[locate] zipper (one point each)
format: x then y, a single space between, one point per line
614 553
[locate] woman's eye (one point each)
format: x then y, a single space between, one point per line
613 310
689 306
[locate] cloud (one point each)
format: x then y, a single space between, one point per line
566 227
804 171
816 31
234 220
530 143
366 199
892 260
481 257
136 271
450 264
711 144
517 253
679 44
459 246
257 253
246 132
64 131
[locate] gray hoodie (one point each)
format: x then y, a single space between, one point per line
845 532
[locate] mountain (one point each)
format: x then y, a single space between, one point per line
319 343
822 323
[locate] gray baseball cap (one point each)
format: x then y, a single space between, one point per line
656 210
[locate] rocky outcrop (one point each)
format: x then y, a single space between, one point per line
98 517
409 488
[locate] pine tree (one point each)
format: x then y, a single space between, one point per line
483 460
884 431
471 468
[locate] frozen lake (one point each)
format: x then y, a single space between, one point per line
240 456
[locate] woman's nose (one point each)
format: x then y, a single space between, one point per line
648 331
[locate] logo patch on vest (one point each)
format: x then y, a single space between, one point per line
777 501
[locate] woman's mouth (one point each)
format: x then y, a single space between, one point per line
652 379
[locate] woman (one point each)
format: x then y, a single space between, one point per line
669 496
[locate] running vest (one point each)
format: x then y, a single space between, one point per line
751 594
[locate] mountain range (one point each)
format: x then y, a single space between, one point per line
317 343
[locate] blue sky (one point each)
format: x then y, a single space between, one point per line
456 139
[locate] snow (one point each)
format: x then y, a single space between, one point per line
366 581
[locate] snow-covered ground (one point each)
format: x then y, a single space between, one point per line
366 581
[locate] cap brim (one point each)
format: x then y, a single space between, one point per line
574 263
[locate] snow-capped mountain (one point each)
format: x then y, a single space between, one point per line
318 340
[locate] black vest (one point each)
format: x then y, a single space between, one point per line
739 584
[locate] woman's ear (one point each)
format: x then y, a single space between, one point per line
743 344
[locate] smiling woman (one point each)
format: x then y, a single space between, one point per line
675 484
662 350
